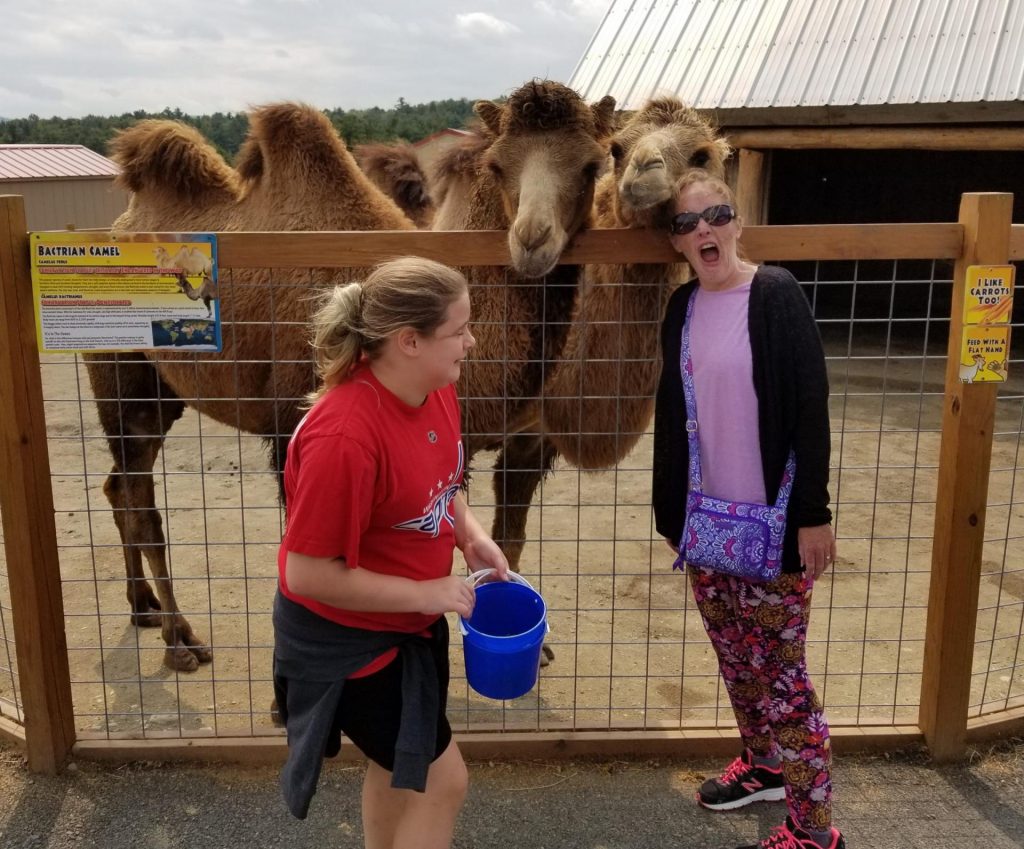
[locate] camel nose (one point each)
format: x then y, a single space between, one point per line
532 235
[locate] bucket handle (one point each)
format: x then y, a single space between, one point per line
475 577
474 581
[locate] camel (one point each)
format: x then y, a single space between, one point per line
207 291
396 170
295 173
533 317
597 400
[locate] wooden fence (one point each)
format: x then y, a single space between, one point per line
983 234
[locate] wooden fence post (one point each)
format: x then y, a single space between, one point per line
964 459
26 499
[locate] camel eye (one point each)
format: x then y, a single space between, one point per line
590 171
700 159
495 169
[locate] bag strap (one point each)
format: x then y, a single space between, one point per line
692 436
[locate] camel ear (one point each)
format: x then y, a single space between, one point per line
604 116
723 148
490 114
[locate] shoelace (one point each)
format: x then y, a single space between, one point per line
736 769
782 838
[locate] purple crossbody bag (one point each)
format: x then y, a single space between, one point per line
734 537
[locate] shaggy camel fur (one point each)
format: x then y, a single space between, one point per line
294 173
599 399
549 142
396 171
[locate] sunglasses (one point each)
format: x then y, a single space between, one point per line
717 216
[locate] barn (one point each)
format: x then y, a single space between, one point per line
64 185
840 110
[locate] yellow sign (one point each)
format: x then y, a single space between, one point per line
988 295
983 353
97 292
988 305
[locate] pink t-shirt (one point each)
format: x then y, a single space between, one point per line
723 377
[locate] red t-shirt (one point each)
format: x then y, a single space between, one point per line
371 480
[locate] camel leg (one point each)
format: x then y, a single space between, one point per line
136 410
519 468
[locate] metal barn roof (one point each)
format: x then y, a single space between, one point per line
49 161
792 54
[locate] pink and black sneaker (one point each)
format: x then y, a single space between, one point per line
741 784
790 836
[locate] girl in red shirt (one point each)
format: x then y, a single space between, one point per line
374 511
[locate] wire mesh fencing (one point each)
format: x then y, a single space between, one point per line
629 650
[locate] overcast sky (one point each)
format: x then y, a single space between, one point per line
77 57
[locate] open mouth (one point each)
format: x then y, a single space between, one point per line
708 252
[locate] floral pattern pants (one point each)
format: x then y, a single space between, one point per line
759 632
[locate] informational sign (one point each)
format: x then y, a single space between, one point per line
988 304
97 292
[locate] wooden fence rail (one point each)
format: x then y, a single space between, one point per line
983 234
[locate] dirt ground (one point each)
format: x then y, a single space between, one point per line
630 651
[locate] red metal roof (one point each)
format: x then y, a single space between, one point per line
448 131
46 161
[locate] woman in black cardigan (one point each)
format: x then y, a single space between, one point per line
762 392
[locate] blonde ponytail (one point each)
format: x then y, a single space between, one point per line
356 319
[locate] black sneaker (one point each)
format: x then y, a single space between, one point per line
790 836
741 784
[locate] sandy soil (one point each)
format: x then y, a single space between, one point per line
630 650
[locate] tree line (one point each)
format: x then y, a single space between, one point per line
226 130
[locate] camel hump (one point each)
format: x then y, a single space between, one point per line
170 156
396 169
289 135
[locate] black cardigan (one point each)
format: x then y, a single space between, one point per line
791 383
312 657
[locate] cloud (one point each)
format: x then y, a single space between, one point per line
91 59
480 24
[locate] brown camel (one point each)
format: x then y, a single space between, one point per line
396 171
207 291
294 173
533 316
598 398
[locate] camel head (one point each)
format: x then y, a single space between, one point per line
549 148
396 171
657 145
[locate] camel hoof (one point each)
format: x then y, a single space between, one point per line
180 659
147 620
547 655
202 653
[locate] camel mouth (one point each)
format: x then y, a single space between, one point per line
536 262
647 190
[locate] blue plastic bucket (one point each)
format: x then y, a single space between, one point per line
502 640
